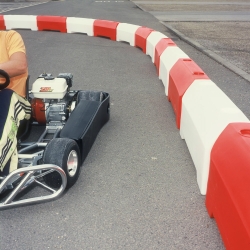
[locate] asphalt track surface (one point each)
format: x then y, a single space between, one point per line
137 188
8 6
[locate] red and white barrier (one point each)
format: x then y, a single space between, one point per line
126 33
80 25
105 28
2 23
167 60
206 111
182 75
159 48
153 38
202 110
141 36
20 22
227 197
54 23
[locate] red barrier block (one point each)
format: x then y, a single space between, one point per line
57 23
228 189
181 76
2 23
159 48
105 28
141 36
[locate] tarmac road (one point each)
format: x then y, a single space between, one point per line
137 188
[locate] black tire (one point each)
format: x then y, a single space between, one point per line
62 152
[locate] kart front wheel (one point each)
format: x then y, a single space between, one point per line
64 153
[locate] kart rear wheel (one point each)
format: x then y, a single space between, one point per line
64 153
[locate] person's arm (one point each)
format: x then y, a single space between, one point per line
16 65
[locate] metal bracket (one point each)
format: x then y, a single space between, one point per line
25 177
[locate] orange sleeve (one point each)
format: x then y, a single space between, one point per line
14 43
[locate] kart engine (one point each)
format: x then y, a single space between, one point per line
52 102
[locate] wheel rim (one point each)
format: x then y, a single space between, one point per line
72 163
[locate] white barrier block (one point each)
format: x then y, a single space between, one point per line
206 111
20 22
80 25
126 33
167 60
152 40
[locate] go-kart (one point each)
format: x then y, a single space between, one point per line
70 121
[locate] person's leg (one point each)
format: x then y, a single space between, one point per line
13 110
